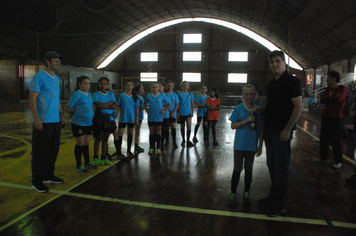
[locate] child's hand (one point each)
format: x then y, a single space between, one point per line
251 119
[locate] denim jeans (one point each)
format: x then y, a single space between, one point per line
45 147
278 157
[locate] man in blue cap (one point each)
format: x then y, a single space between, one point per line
48 119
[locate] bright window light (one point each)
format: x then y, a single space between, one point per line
238 56
191 77
192 38
149 56
226 24
237 78
191 56
148 76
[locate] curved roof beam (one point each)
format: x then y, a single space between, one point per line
226 24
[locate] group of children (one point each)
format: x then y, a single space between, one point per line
164 109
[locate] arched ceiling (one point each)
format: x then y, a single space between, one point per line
85 32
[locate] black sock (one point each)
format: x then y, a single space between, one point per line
152 144
96 156
248 180
158 140
205 127
188 135
196 130
129 143
78 154
167 135
174 135
85 151
117 147
235 181
182 132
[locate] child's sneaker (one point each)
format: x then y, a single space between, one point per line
90 166
159 152
140 149
232 199
40 187
215 143
81 169
195 140
106 161
130 155
246 199
183 144
150 152
190 144
98 162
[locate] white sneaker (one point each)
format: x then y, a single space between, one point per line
320 161
337 166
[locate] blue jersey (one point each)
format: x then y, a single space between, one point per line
166 114
185 106
82 105
104 98
141 102
48 100
246 137
175 100
201 112
127 108
155 106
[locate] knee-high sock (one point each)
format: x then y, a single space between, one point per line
129 142
78 154
214 130
118 144
248 180
205 127
152 141
182 132
196 130
158 140
188 135
174 135
235 181
85 151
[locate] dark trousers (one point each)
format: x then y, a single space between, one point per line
278 157
331 131
45 147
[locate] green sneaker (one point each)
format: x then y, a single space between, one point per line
106 161
232 200
98 162
246 199
81 169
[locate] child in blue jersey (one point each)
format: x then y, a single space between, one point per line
185 112
139 91
248 130
165 116
172 113
155 100
201 112
80 105
128 108
105 102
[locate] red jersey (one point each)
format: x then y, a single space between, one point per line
334 105
213 102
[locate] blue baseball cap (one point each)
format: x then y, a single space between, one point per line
50 55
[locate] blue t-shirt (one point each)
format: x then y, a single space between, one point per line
82 105
246 137
48 99
103 98
141 102
166 114
201 112
185 106
175 100
155 106
127 108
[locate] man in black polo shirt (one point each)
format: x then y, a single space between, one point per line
283 108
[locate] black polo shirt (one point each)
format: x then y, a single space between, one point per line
279 105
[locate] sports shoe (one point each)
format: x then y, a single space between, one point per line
113 156
40 187
246 199
106 161
150 152
53 180
337 166
183 144
130 155
98 162
232 200
140 149
81 169
90 166
265 201
175 146
190 144
158 152
320 161
195 140
275 210
215 143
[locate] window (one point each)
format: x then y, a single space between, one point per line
238 56
191 56
191 77
237 78
149 56
192 38
148 76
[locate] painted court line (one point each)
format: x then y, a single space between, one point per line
172 208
